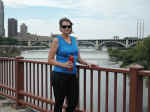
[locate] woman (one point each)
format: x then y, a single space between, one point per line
64 80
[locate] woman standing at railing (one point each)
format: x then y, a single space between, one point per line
64 79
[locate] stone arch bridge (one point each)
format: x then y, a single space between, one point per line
125 43
98 43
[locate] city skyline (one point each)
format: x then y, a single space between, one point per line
2 30
91 18
12 27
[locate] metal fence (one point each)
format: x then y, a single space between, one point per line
101 89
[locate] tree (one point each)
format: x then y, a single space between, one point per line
10 52
139 54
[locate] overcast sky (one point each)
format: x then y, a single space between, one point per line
91 18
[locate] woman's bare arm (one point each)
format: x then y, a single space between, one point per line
80 60
52 53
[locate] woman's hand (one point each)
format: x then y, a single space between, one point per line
68 64
92 65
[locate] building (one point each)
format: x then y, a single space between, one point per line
12 27
2 30
32 37
23 28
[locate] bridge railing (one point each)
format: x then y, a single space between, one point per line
28 83
8 77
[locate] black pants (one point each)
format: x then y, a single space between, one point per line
65 85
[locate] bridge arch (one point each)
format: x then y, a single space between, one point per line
110 42
87 43
38 43
132 44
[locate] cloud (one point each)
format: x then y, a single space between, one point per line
47 3
85 8
83 28
41 27
115 8
92 18
87 28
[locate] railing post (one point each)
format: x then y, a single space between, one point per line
136 89
19 76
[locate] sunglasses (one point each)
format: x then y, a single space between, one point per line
66 26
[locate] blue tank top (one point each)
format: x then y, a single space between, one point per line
64 51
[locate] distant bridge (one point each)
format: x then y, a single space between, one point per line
97 43
35 43
125 43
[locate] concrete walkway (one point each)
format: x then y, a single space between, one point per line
6 106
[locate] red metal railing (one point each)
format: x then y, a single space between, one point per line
7 78
99 73
101 89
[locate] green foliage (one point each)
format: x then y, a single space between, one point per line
8 41
10 52
139 54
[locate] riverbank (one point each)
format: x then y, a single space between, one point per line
138 54
13 51
22 48
9 52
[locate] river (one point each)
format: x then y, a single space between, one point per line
90 55
101 58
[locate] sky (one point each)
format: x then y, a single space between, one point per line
92 19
